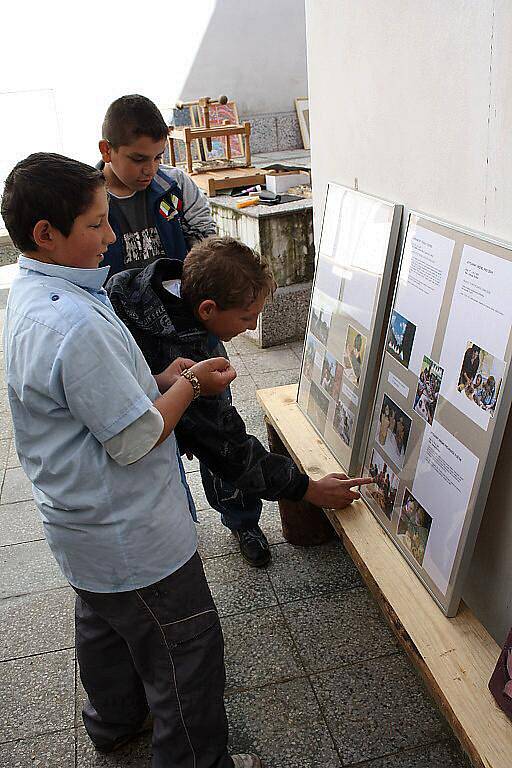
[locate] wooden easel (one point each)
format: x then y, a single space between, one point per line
224 174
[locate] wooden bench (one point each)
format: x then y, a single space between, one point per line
456 657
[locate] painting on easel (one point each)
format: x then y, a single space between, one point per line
220 113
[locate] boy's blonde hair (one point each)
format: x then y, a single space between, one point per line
227 271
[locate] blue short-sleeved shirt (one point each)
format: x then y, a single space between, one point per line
76 378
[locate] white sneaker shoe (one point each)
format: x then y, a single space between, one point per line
246 761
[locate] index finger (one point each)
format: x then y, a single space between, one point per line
352 481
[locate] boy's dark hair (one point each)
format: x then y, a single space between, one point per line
227 271
132 116
46 186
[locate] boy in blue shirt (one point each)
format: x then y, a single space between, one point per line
94 433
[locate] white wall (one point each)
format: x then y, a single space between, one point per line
413 99
255 52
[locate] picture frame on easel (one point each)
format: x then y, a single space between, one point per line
302 107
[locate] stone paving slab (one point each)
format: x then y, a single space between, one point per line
376 708
35 624
16 486
259 649
283 724
299 573
54 750
19 523
28 568
238 587
347 628
446 754
40 692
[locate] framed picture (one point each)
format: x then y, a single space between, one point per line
346 321
443 397
302 107
219 113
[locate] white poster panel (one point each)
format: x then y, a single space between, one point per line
350 294
425 265
332 213
477 334
443 483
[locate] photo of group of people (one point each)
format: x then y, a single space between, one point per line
355 348
386 484
400 338
480 377
343 422
427 391
393 430
332 372
414 526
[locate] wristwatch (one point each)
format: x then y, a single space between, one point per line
190 376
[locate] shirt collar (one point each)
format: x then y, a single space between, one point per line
91 279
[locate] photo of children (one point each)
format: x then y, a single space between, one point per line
321 316
343 422
332 372
480 378
386 483
312 347
318 404
355 348
414 526
400 338
427 392
393 430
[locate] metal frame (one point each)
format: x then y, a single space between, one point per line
449 602
374 341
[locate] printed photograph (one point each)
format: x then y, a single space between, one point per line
321 316
400 338
343 422
481 377
386 484
318 403
427 391
312 347
353 359
414 526
332 372
393 430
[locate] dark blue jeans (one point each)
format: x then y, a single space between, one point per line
237 509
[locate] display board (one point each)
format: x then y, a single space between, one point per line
442 400
347 312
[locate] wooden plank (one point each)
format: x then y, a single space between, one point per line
456 657
227 178
203 133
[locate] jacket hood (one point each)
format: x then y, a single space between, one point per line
140 299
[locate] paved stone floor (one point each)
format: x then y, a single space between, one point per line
315 678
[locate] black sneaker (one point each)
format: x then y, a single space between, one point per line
253 546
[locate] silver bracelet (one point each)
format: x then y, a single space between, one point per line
190 376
